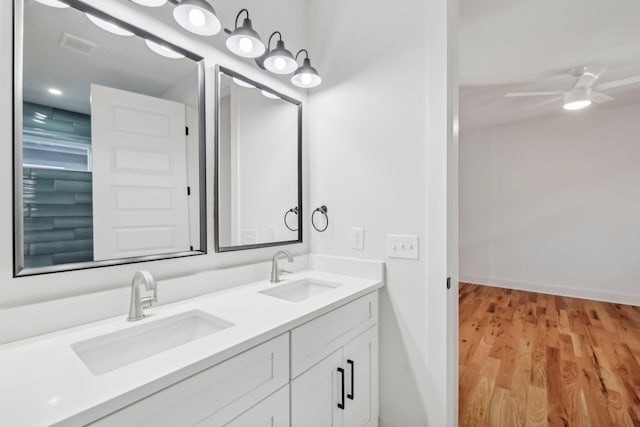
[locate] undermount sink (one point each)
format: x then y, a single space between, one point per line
300 290
117 349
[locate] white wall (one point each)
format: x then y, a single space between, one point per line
553 205
288 15
378 161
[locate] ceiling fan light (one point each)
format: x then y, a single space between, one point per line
306 76
198 17
280 60
150 3
54 3
577 99
245 41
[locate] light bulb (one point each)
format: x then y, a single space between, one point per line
246 45
305 78
197 18
279 63
577 105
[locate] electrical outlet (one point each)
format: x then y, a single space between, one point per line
357 238
402 246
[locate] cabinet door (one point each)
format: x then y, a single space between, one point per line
361 380
315 394
271 412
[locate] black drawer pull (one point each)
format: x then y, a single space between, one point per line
353 387
341 371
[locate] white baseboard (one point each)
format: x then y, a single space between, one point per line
566 291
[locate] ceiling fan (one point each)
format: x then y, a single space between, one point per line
583 93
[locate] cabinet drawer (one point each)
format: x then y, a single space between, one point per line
271 412
318 338
242 380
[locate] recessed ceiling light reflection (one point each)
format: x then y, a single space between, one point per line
109 26
242 83
163 50
269 94
54 91
54 3
39 121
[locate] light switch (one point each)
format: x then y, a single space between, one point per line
357 238
402 246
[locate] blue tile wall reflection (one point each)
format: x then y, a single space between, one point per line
58 217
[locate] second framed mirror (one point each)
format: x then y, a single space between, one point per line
258 170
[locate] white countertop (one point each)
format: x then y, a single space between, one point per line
43 382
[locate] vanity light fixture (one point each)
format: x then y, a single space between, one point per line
54 3
577 98
278 60
245 41
306 76
109 26
269 94
150 3
163 50
242 83
197 16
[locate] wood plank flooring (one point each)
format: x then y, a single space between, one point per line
530 359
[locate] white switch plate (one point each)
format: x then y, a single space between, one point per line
402 246
357 238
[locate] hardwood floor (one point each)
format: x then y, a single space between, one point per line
529 359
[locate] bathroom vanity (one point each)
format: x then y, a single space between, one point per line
301 352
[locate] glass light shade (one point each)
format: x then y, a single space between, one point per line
150 3
245 41
54 3
163 50
198 17
242 83
269 94
109 26
577 99
306 76
280 60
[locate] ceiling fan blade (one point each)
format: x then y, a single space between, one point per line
523 94
619 83
539 105
590 75
600 98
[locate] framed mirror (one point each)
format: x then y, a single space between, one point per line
109 152
258 171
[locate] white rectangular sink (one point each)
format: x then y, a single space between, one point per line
117 349
300 290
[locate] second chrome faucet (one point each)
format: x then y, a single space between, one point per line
138 303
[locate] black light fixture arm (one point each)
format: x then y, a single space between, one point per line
240 13
306 54
271 37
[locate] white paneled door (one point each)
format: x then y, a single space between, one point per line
139 175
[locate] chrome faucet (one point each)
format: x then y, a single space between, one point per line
275 271
142 277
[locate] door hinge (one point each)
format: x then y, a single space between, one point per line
186 130
188 191
448 282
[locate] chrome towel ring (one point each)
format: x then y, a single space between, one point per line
323 211
293 211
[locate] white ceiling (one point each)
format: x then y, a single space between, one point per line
121 62
530 45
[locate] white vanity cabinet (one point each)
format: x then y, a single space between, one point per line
322 373
340 389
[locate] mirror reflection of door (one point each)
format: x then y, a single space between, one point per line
106 161
139 171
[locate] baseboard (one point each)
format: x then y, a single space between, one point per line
566 291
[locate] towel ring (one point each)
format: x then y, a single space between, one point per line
294 211
323 210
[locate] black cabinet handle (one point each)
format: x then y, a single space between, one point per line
341 371
353 387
